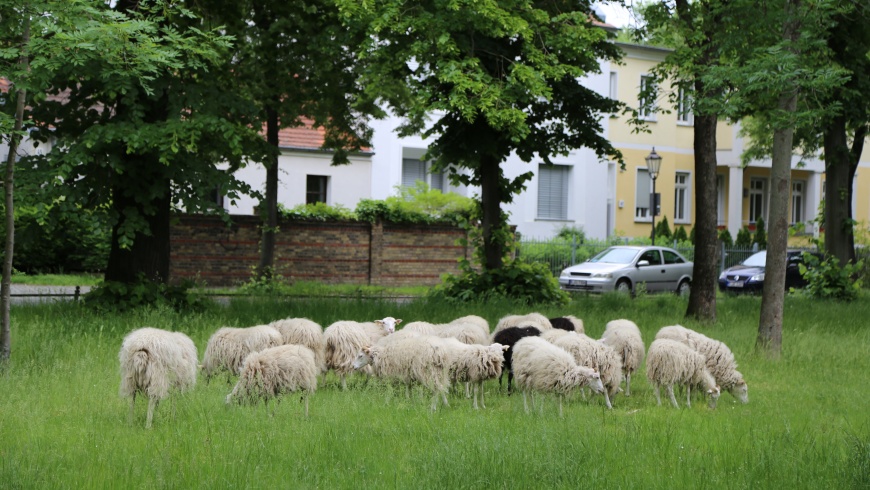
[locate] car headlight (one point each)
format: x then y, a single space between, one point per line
757 277
723 275
603 275
564 273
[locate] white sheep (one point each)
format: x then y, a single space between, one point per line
302 331
624 337
474 319
670 363
345 338
570 323
592 354
720 359
541 366
473 364
536 320
272 372
153 362
467 333
228 347
425 328
410 359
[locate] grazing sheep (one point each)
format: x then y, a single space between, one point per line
228 347
302 331
474 364
476 320
541 366
272 372
153 362
624 337
509 337
670 362
424 328
411 359
344 339
536 320
596 355
467 333
720 359
570 323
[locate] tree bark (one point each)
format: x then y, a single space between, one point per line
270 213
839 175
702 298
491 198
148 256
8 188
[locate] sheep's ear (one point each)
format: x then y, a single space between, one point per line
367 350
379 323
595 375
398 321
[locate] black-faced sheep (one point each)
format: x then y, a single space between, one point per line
542 367
624 337
570 323
536 320
155 362
272 372
508 337
670 363
228 347
720 359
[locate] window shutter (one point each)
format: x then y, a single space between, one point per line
412 171
553 192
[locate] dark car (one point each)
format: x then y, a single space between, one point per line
748 276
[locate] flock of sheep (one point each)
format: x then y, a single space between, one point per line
542 354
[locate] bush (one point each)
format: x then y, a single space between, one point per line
120 296
663 229
418 205
827 279
725 237
680 234
760 235
744 238
517 280
319 211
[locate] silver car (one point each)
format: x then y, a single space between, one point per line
623 268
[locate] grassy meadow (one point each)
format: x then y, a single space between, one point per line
807 424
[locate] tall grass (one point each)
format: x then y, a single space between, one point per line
62 423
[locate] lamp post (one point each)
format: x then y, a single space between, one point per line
653 165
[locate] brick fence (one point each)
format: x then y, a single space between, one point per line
206 249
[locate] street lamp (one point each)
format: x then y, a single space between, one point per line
653 165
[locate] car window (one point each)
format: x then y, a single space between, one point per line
653 256
615 256
756 260
672 258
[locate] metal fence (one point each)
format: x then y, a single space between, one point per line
559 253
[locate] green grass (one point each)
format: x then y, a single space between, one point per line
62 423
57 279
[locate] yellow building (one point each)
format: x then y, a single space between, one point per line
743 193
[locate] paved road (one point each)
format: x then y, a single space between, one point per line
23 293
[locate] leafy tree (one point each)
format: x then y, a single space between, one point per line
485 80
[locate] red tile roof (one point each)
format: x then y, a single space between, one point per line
305 137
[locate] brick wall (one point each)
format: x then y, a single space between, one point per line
206 249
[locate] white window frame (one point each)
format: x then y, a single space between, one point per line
683 203
641 197
553 192
757 194
429 177
614 79
647 114
685 116
798 201
720 200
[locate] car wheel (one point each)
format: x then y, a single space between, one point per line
623 286
684 288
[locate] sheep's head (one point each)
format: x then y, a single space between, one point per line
714 393
740 391
363 358
389 323
595 382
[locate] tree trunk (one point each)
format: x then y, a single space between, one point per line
491 198
702 298
839 175
8 188
148 256
773 296
270 211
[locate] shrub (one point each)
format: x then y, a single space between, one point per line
827 279
760 234
692 235
120 296
744 238
680 234
517 280
573 234
663 229
725 237
319 211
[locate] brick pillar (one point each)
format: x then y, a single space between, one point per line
376 252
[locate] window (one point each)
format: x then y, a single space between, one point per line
315 189
648 95
216 196
720 200
641 195
757 200
797 202
652 256
672 258
681 198
684 108
553 191
414 169
613 80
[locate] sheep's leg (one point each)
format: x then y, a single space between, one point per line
607 399
467 389
510 381
628 384
658 396
132 402
475 396
152 405
560 405
525 402
689 396
670 389
343 382
305 399
434 401
478 387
